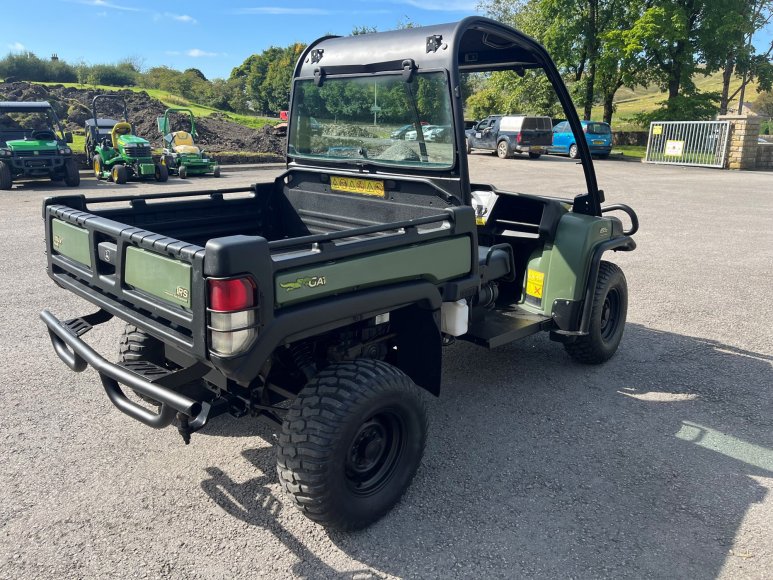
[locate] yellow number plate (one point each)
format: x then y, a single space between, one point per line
356 185
534 283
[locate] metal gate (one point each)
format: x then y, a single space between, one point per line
701 143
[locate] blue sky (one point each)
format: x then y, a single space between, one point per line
209 35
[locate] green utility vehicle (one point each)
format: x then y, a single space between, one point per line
322 301
33 145
114 151
181 155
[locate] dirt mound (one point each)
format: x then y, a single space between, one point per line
215 132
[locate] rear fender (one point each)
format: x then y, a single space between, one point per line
419 346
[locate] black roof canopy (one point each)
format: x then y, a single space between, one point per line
21 107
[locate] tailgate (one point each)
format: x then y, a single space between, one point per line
147 279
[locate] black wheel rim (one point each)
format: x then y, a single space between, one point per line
375 452
610 314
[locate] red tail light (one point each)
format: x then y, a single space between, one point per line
233 294
518 138
232 315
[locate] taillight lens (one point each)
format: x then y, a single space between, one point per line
518 138
232 314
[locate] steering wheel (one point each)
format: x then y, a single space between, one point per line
43 134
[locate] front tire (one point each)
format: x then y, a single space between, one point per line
351 443
6 181
119 174
574 153
97 165
72 176
607 319
182 172
216 171
467 146
503 150
162 173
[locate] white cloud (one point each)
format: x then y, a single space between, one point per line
17 47
198 53
281 10
181 18
106 4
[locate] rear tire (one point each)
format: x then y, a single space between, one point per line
6 181
162 173
535 155
573 151
503 150
97 165
72 176
351 443
120 174
182 172
136 345
607 319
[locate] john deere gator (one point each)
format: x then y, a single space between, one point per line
33 145
113 149
322 301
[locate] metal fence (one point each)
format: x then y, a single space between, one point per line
701 143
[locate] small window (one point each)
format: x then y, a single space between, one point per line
599 129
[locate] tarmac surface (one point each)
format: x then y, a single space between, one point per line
657 464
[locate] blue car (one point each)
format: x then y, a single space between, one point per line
598 135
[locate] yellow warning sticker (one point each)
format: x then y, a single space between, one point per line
356 185
657 130
534 282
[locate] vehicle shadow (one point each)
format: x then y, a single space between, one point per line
537 466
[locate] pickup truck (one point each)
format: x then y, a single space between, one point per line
509 134
322 301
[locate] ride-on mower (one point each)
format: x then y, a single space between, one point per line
181 154
115 152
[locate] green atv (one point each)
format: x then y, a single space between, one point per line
33 145
181 154
115 152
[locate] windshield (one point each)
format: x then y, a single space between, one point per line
381 119
21 124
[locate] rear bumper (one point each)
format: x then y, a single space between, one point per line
531 149
77 355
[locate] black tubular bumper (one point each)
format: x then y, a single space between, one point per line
76 354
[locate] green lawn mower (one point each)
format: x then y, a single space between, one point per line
115 152
181 154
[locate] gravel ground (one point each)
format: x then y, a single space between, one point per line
658 464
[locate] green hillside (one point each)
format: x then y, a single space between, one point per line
170 100
645 99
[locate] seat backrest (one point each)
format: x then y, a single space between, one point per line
182 138
119 129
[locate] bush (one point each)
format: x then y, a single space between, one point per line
28 67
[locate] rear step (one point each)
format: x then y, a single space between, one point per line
496 329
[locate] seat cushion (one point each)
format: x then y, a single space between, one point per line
498 265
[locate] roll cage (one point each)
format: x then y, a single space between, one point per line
474 44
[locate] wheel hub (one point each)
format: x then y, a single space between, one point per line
373 453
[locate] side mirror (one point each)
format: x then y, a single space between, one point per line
68 137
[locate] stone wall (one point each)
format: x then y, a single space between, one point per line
765 156
630 138
742 141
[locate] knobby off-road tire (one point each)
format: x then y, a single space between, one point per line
351 443
136 345
607 319
6 181
72 177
